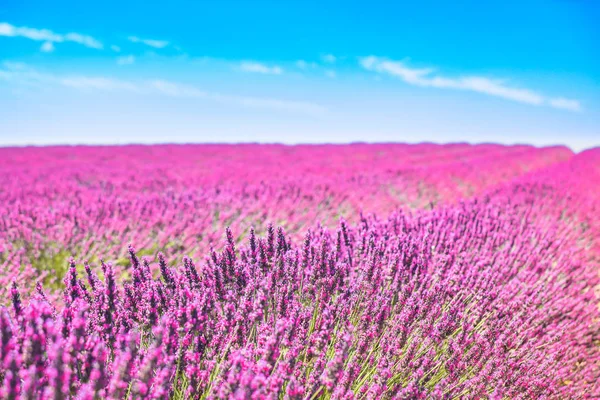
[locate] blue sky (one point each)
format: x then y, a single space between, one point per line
291 72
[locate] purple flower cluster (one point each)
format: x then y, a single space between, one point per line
489 298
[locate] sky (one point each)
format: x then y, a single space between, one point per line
116 72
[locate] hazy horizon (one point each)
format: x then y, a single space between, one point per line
166 143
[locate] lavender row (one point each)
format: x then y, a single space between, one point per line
88 201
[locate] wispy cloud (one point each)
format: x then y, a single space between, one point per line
273 104
329 58
99 83
302 64
330 73
181 90
115 48
565 104
47 47
157 44
46 35
125 60
252 66
87 41
427 77
177 89
23 74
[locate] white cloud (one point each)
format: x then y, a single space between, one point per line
157 44
330 73
498 89
301 64
87 41
47 47
276 104
46 35
16 66
125 60
29 33
426 77
329 58
115 48
7 29
177 90
565 104
22 74
99 83
305 65
252 66
186 91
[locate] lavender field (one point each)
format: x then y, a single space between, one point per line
386 271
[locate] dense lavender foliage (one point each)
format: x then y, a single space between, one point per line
493 296
88 202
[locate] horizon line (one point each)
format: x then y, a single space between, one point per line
290 144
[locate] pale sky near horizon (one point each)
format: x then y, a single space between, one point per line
299 72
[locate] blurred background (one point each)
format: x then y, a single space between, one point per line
116 72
